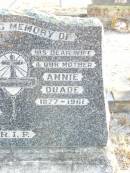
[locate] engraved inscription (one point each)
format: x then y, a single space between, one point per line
62 102
62 77
67 53
64 64
16 134
62 89
38 31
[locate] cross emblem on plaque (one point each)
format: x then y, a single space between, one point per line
12 66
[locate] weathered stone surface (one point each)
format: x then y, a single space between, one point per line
51 82
52 99
91 160
53 115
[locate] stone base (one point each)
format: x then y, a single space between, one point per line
55 168
119 101
92 160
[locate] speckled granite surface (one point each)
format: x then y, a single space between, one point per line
52 95
67 119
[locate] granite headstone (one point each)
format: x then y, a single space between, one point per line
51 84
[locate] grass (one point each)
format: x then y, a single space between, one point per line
121 140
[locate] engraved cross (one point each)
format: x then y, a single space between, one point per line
12 62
